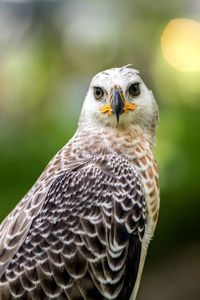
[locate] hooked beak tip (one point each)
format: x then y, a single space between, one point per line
117 117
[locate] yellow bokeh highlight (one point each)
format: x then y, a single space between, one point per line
180 43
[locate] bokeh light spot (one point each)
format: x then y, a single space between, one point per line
180 43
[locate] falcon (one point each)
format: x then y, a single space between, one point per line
83 230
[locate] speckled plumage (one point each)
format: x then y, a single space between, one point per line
83 229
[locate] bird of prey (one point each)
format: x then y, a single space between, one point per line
83 230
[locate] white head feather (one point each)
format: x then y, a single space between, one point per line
145 115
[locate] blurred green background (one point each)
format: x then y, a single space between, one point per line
49 51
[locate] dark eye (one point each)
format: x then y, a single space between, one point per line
134 89
98 93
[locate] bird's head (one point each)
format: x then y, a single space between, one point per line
119 98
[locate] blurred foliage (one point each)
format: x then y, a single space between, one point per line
49 50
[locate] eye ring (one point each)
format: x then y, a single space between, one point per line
134 89
98 93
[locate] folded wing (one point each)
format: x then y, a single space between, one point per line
85 241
